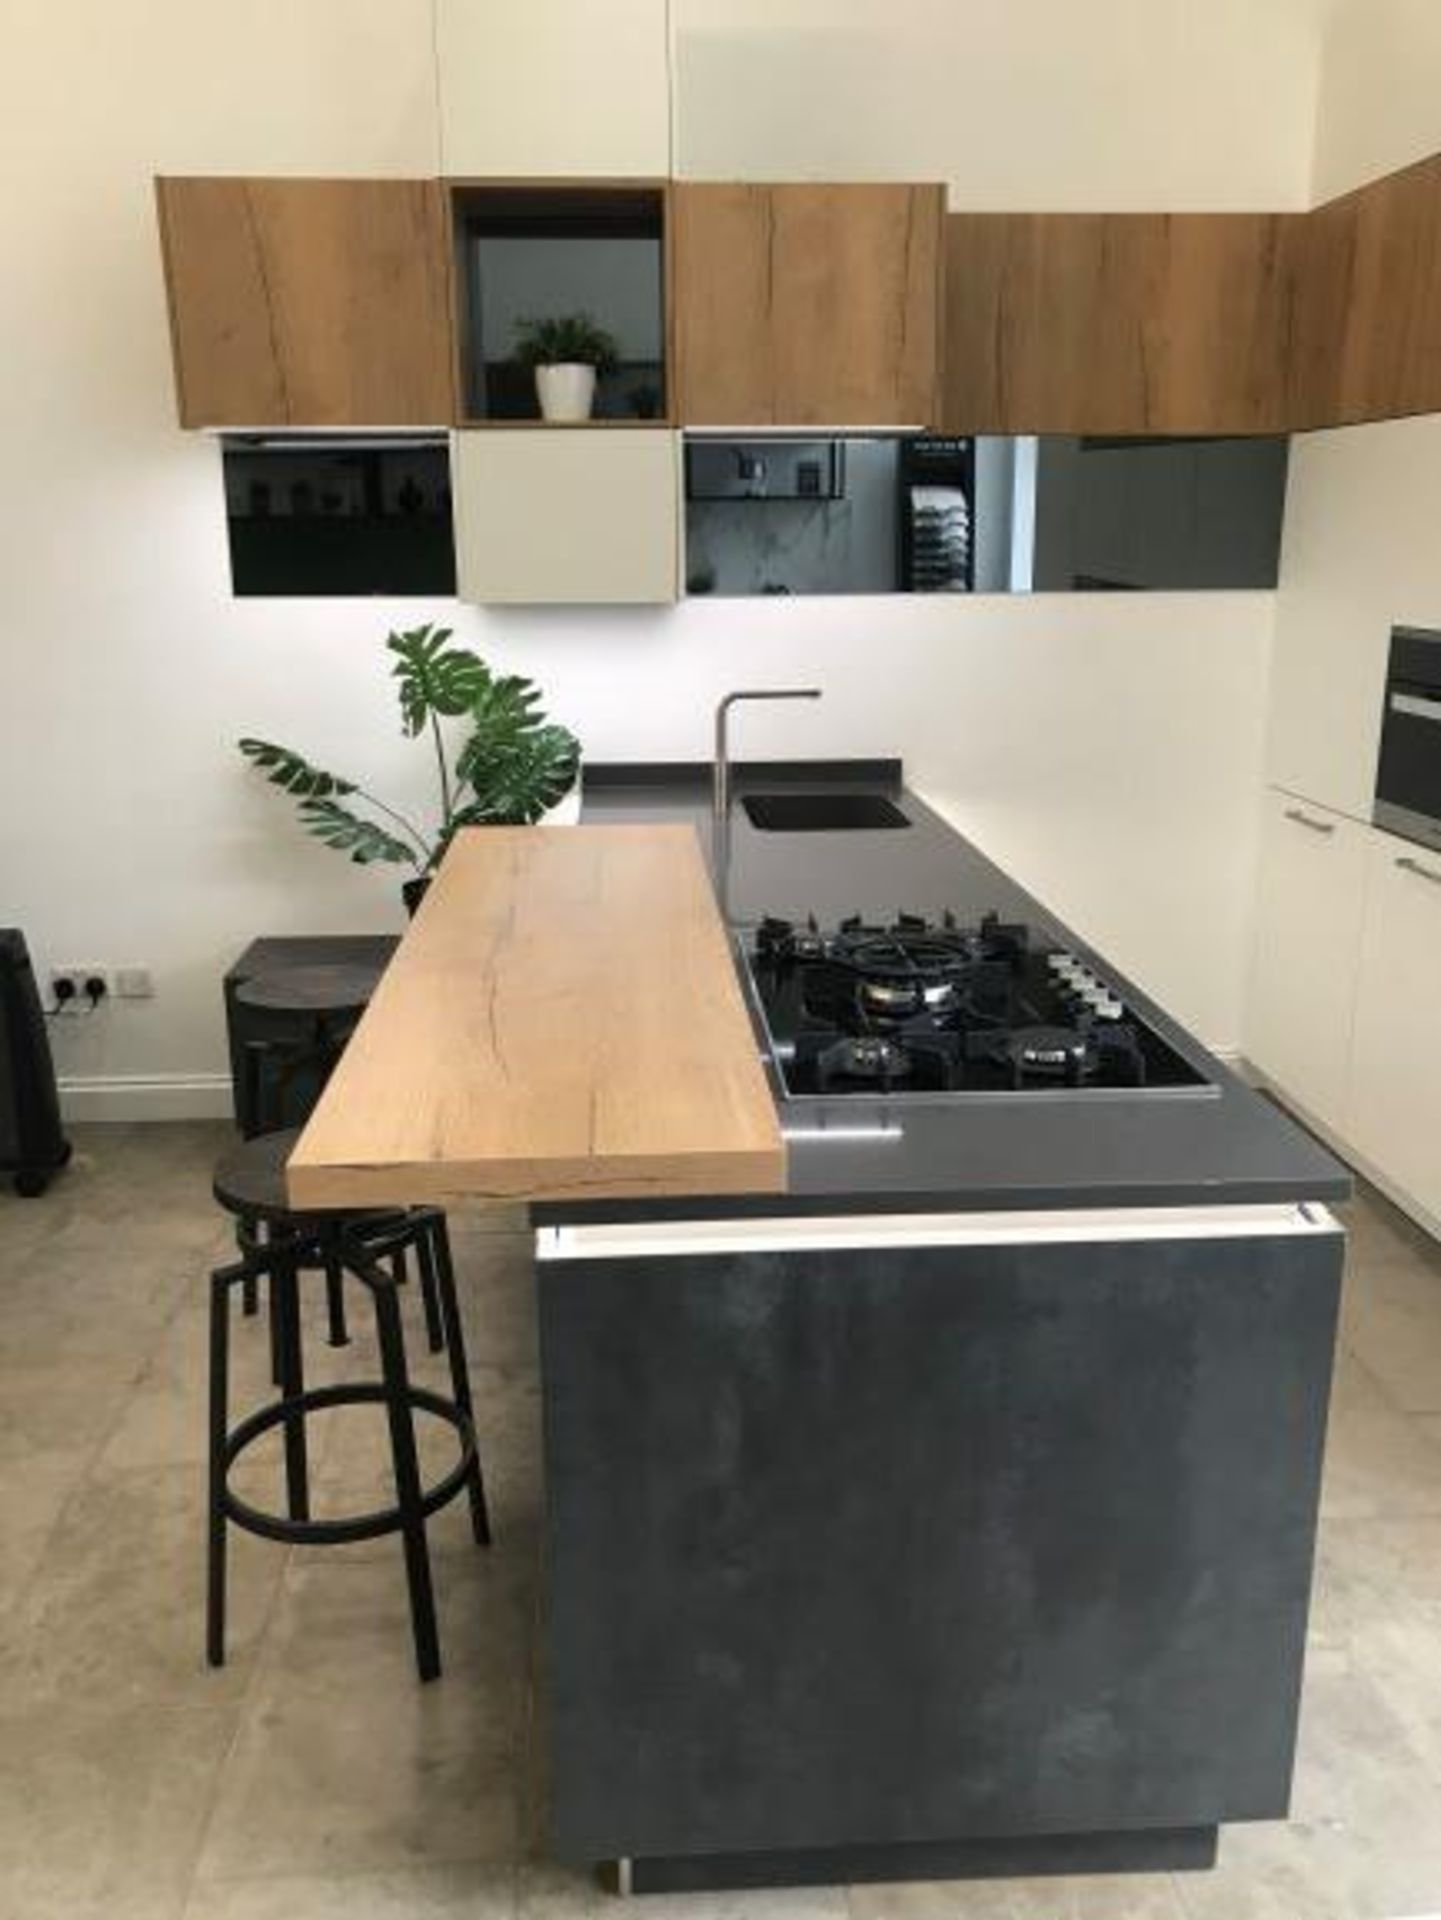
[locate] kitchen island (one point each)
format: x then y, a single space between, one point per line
954 1511
938 1497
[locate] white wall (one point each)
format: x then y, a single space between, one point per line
1018 105
1380 105
1106 747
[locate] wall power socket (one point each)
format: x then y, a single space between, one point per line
68 984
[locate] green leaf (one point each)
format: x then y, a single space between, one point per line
350 833
286 768
434 678
565 337
516 764
516 775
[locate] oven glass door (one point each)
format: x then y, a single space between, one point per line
1408 782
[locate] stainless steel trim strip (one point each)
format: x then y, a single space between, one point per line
1417 706
1407 824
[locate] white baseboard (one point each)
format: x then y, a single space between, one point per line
146 1096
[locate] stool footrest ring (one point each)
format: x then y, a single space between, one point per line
360 1526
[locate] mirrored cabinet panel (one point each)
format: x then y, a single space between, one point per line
349 514
782 514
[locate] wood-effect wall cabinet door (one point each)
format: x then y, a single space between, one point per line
807 305
1395 1105
1308 941
305 303
548 514
1385 295
1118 323
564 88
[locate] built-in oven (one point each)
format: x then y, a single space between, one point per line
1408 775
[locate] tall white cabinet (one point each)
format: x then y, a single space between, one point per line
554 88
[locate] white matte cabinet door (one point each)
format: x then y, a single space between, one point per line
541 88
1357 553
545 515
1395 1119
1308 940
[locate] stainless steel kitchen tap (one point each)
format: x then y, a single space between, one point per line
721 780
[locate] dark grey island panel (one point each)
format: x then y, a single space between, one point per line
870 1537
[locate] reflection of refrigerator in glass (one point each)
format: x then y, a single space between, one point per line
935 477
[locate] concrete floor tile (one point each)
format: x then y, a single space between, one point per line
114 1610
65 1407
933 1900
559 1893
102 1808
345 1762
1380 1461
1391 1321
33 1492
461 1892
1266 1872
1140 1896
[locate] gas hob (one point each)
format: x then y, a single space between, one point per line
937 1008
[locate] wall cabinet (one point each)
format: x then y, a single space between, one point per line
1308 938
1372 334
560 89
1395 1104
308 303
807 305
548 514
1119 323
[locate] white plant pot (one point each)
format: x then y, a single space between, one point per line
565 392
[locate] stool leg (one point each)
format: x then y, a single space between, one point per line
398 1267
285 1295
439 1236
215 1543
277 1366
334 1287
407 1482
429 1295
250 1285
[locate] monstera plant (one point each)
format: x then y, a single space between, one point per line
510 765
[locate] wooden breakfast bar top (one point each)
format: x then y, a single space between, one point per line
562 1020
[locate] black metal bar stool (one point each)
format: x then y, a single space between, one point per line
250 1181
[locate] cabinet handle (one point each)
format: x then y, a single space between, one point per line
1327 827
1407 865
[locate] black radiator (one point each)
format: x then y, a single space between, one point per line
32 1147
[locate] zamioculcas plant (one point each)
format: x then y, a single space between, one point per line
511 766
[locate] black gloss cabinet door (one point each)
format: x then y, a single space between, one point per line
933 1543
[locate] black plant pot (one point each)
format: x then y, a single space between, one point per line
414 891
